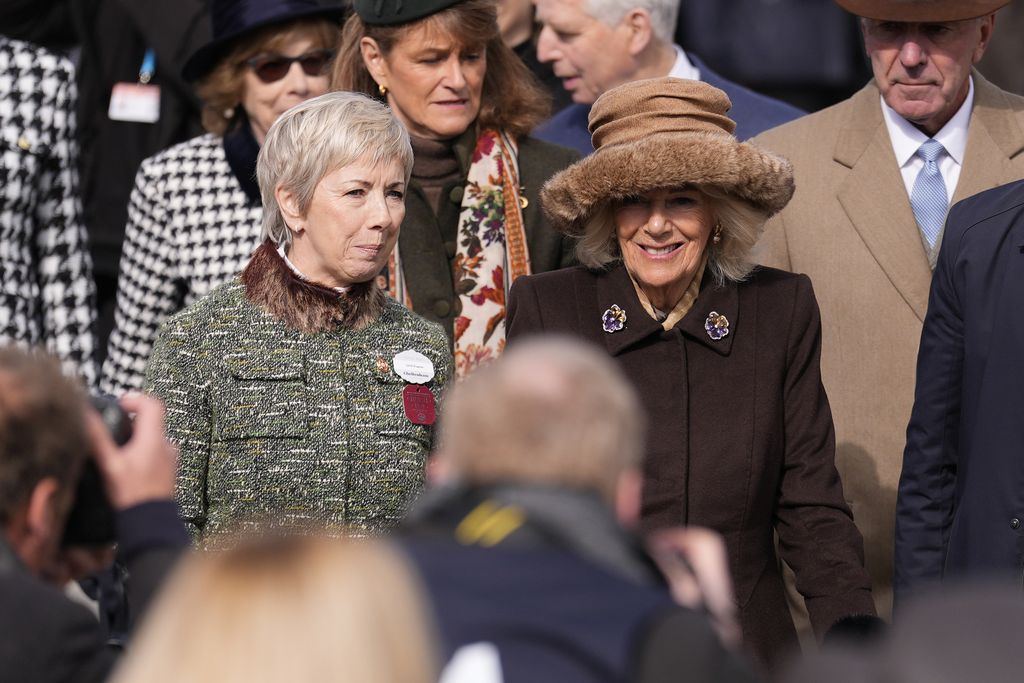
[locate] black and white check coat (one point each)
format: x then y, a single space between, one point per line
46 287
191 227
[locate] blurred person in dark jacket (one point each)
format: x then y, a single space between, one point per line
526 549
46 434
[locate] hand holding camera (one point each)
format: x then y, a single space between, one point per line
143 469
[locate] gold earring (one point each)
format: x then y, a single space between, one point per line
383 90
717 237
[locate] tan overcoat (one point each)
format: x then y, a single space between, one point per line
851 229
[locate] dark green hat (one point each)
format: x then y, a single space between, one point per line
389 12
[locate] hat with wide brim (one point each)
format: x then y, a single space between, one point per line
235 19
658 134
921 10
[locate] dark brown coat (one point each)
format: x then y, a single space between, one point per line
740 436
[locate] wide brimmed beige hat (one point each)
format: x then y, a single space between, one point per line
663 133
921 10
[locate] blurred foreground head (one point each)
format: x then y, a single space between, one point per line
43 446
959 633
550 411
297 609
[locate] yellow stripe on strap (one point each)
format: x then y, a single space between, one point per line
488 525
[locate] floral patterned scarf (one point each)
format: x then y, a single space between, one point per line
491 251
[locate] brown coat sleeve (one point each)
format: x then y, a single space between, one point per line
817 536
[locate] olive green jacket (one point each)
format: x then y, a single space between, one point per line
428 239
280 427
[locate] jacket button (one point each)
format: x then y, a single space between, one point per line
449 248
456 194
1014 523
442 308
457 308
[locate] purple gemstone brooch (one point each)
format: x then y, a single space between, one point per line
614 319
717 325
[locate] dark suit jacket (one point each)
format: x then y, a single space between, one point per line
565 595
46 638
752 112
961 496
428 238
740 436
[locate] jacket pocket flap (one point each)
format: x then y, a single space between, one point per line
265 409
266 364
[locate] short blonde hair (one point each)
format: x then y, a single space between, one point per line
222 89
549 411
728 261
318 136
304 610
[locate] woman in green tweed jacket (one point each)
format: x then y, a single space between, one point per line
300 393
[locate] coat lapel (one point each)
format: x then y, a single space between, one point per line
875 200
993 139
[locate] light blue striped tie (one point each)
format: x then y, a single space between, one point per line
929 199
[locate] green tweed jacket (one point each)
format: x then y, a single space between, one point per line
286 408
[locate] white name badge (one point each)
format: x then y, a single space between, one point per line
135 102
413 366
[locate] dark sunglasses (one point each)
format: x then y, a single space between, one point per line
270 68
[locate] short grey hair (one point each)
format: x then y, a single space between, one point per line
552 411
317 137
728 261
663 14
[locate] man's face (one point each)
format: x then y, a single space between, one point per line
589 56
922 69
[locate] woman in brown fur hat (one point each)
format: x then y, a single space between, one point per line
724 354
300 393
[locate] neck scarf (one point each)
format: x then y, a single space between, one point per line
682 307
491 252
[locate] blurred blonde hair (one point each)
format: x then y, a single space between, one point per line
296 609
551 411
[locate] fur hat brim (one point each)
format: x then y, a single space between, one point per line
666 160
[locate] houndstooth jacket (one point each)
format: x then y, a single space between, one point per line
47 292
191 227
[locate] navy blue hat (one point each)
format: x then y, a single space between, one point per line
233 19
390 12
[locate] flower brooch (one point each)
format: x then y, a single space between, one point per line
717 325
614 319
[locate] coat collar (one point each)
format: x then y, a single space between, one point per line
241 150
614 287
306 306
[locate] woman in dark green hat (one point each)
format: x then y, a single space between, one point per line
473 221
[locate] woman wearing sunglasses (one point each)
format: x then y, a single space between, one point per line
473 221
194 216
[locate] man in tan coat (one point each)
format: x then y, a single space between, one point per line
865 224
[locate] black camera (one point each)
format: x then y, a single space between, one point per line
92 518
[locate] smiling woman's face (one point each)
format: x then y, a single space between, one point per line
662 236
351 225
434 84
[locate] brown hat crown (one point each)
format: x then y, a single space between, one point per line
921 10
639 109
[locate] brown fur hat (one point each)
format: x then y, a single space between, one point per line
921 10
663 133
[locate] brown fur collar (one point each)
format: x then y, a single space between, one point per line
307 306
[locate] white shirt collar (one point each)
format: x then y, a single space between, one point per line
684 68
906 139
284 254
